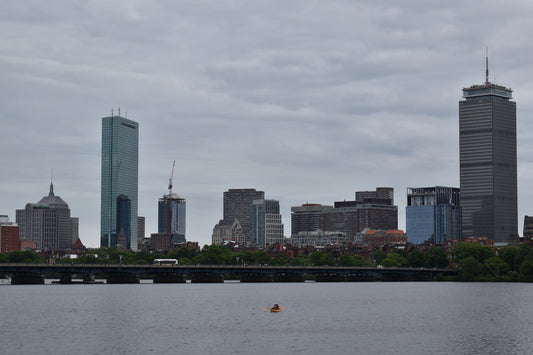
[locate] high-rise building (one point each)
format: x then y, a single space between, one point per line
433 213
140 228
74 229
488 176
528 226
171 217
119 190
266 223
47 222
238 204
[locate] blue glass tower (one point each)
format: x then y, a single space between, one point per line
433 213
266 223
119 190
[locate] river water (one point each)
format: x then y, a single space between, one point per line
229 318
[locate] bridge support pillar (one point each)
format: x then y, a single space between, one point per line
330 278
27 279
360 278
289 277
169 279
122 278
65 279
88 279
256 277
206 277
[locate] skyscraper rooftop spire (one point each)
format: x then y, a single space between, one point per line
487 66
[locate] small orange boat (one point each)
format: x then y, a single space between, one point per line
275 310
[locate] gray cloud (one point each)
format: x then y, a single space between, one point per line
306 100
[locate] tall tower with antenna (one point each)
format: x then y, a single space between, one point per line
487 155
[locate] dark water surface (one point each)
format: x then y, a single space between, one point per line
320 318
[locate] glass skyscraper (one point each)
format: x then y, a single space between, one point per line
487 149
119 190
433 213
266 223
172 216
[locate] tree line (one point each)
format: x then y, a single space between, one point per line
474 261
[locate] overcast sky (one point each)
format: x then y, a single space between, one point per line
306 100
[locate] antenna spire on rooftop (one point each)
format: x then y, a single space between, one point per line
487 66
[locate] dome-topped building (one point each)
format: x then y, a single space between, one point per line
48 223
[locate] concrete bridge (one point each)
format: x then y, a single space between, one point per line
22 273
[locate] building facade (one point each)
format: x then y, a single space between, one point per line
47 223
228 230
266 223
171 217
528 226
433 213
320 238
370 210
119 181
238 204
308 217
140 229
9 235
488 173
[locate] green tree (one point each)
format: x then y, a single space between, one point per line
378 256
526 270
416 258
185 261
215 255
435 257
261 257
281 259
394 259
470 269
346 260
464 250
319 258
496 266
25 256
511 255
360 261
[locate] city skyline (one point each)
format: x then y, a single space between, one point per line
307 102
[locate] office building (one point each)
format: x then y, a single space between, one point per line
309 217
238 204
370 209
119 190
171 217
140 229
487 149
528 226
267 228
9 235
47 222
433 214
74 229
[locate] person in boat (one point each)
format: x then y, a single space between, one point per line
276 307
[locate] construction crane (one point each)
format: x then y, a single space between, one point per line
170 179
